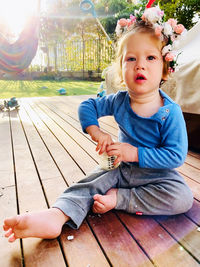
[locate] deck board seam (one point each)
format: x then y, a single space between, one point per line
16 186
135 239
99 243
62 145
177 241
48 151
69 134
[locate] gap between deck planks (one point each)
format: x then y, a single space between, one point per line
50 149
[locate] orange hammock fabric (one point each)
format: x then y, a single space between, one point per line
16 57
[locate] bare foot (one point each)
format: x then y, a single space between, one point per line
104 203
42 224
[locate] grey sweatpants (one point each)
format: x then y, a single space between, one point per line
149 191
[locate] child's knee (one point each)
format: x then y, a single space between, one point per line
182 202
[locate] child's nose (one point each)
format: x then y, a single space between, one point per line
139 68
140 65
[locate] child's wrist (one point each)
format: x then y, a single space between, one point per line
92 129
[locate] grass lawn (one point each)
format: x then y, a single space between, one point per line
37 88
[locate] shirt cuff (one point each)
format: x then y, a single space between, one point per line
141 157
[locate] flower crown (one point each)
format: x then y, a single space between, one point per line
170 32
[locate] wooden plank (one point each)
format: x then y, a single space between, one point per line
185 232
119 246
193 161
68 143
63 110
157 242
59 153
10 253
6 161
77 136
31 198
194 154
194 186
71 250
194 213
83 250
190 171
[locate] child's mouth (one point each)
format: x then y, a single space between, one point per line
140 78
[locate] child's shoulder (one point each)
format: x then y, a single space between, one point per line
119 96
168 100
170 104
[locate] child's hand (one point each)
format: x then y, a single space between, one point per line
103 139
123 152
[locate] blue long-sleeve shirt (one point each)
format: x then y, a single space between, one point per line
161 139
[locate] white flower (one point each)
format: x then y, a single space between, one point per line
118 30
167 29
153 14
183 34
166 49
175 45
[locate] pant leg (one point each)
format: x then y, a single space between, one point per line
77 200
153 192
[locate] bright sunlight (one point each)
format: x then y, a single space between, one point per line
14 13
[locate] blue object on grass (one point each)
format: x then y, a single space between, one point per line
62 91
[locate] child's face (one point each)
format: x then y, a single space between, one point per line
142 64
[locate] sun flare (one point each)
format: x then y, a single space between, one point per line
14 14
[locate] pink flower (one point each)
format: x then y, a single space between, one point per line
169 57
170 70
132 18
158 31
172 22
122 22
179 28
161 13
129 22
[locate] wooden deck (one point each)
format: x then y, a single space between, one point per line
43 150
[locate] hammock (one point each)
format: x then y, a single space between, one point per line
16 57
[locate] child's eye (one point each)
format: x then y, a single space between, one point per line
131 59
151 57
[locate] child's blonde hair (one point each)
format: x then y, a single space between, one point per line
139 27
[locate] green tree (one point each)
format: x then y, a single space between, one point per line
183 10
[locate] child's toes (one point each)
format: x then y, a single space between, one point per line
11 238
96 197
8 233
99 198
97 207
6 228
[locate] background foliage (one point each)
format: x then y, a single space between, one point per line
185 11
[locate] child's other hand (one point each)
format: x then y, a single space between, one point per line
123 152
103 139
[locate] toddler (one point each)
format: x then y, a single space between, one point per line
152 139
